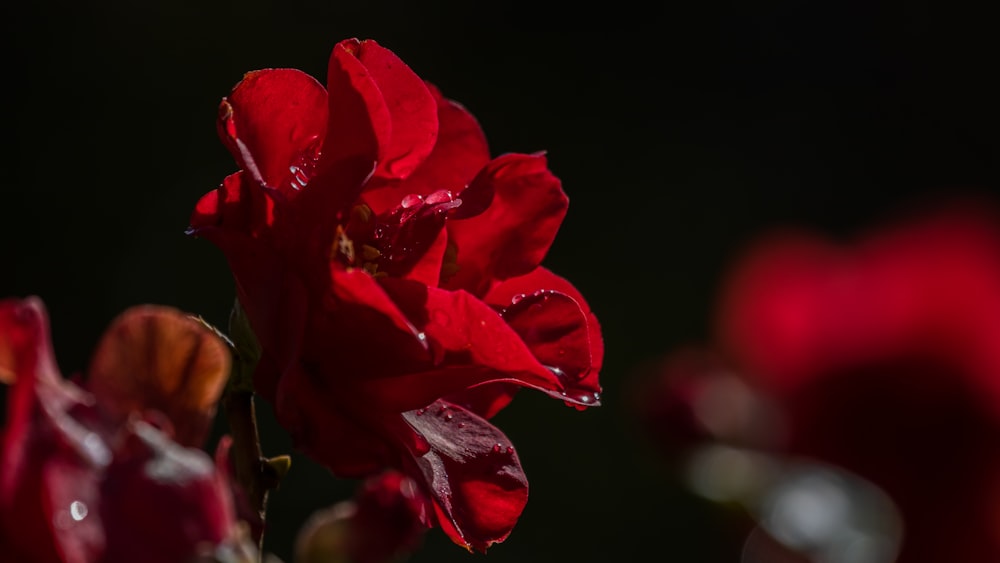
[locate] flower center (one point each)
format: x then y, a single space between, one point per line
394 242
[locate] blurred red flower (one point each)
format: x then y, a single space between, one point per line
109 470
881 357
390 270
384 522
885 356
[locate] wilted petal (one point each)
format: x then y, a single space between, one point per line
158 358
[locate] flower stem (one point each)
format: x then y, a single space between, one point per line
254 474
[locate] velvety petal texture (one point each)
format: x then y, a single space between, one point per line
401 272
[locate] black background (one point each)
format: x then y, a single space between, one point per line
679 131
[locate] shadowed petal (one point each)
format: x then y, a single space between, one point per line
473 474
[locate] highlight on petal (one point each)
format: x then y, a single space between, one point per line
472 473
158 358
513 235
555 329
541 280
412 108
273 122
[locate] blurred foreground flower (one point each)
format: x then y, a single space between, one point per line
109 470
880 359
390 270
385 522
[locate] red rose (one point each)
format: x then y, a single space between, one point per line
85 477
391 273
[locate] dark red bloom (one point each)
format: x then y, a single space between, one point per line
110 471
390 270
884 356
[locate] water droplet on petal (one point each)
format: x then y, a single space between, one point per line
78 510
411 201
440 196
517 298
497 448
448 417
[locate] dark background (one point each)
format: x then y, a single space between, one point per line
680 132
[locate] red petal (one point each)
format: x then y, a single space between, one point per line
345 434
360 121
51 463
272 118
163 503
460 153
473 474
472 345
25 349
511 237
238 205
412 109
158 358
542 280
272 295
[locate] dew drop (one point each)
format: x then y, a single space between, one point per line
497 448
448 417
461 425
517 298
510 449
299 177
585 399
78 510
411 201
